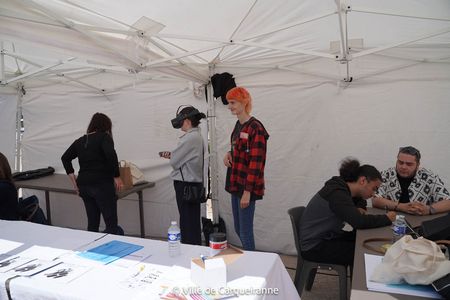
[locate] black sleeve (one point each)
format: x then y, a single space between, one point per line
110 154
361 203
342 205
70 154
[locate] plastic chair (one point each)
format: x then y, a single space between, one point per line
306 270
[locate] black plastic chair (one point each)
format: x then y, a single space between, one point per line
306 270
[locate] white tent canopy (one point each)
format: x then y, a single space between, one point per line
328 78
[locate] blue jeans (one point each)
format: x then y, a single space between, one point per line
243 222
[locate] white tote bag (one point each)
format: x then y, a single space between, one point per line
416 261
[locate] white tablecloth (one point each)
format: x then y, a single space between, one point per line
255 275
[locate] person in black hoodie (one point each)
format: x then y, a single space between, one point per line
342 199
8 192
99 177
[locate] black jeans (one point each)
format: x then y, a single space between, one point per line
190 227
101 199
338 251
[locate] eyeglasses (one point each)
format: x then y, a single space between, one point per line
411 151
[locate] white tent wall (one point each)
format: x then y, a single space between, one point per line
283 51
314 125
141 128
8 108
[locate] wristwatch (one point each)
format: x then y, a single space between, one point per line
432 210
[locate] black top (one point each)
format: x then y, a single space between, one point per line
96 156
8 201
404 184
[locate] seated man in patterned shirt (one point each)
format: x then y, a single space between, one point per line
410 189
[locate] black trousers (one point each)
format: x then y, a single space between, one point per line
190 227
337 251
101 199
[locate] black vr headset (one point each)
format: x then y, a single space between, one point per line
180 117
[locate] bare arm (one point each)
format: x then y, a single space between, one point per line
409 208
441 206
380 202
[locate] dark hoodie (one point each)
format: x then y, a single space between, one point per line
8 201
327 211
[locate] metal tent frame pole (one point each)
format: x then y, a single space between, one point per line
18 153
213 158
2 63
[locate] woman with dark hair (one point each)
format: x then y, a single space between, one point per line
99 177
187 163
342 199
8 192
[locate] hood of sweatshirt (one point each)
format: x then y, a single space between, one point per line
335 183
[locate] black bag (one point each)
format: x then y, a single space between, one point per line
442 286
221 84
436 229
31 174
194 192
29 210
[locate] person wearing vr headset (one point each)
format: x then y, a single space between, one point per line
245 162
187 163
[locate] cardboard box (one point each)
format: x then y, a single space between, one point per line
211 273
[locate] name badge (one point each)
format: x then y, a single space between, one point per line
244 135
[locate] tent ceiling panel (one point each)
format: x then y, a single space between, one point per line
189 35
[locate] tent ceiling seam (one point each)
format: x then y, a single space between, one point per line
98 14
378 49
180 48
216 58
368 11
194 72
174 57
74 27
288 26
32 73
61 75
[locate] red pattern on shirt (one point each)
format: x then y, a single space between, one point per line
249 158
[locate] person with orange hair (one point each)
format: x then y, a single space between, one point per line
245 162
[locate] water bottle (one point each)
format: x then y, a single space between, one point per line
398 228
174 239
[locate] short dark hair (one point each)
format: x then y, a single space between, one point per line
411 151
195 119
101 123
351 170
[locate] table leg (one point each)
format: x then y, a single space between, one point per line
47 207
141 213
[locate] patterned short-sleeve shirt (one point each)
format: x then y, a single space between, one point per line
426 187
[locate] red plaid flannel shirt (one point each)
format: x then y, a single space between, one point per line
249 158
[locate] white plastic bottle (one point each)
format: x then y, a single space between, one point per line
174 239
398 228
